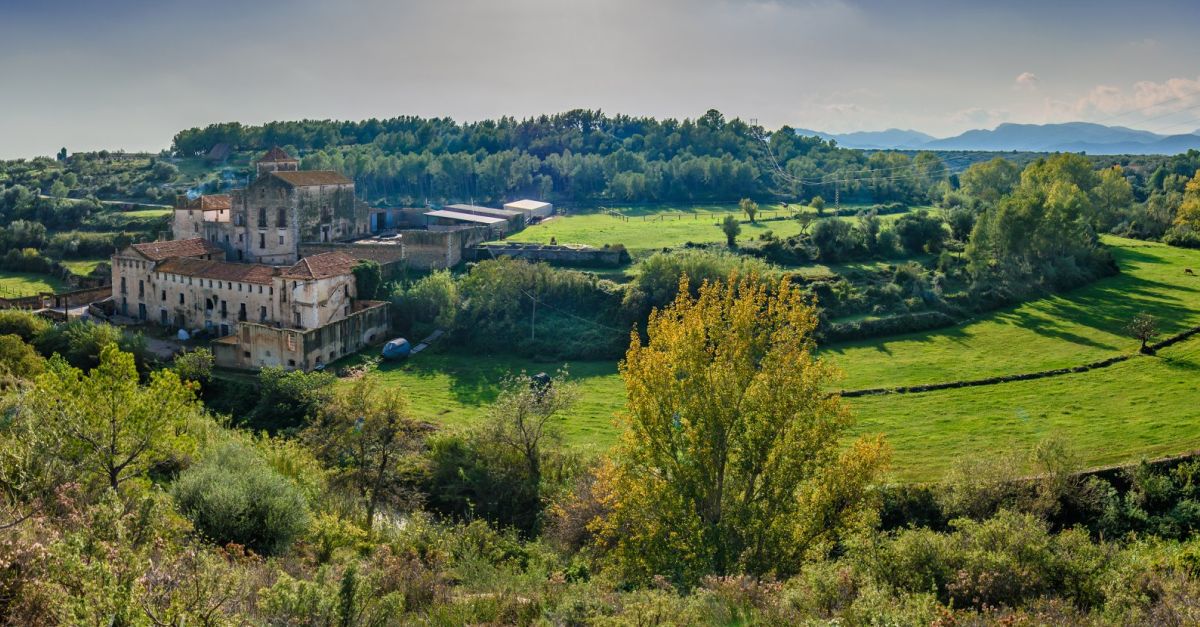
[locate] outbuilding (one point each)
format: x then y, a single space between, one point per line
531 208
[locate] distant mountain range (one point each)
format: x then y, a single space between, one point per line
1086 137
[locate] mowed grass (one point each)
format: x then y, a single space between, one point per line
1080 326
455 389
653 228
16 284
1141 408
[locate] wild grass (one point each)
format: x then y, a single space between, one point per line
16 284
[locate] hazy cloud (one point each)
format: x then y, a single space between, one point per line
1027 81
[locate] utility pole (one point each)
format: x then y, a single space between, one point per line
533 319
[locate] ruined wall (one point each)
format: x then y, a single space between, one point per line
255 346
417 248
553 254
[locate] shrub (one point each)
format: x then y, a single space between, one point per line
233 495
286 399
18 358
80 342
23 324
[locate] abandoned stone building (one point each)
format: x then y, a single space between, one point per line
234 269
281 208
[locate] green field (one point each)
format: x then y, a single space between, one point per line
82 267
16 284
1138 408
454 389
1066 330
1144 407
655 227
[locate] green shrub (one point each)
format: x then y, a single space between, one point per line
24 324
233 495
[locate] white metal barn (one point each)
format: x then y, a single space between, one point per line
531 208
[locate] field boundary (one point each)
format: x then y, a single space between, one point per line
1026 376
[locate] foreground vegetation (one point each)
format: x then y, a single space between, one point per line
735 497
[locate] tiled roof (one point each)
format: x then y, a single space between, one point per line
216 202
321 266
276 154
222 270
305 178
195 247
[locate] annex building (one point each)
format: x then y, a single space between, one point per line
234 269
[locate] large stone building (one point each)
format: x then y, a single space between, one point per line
234 270
282 207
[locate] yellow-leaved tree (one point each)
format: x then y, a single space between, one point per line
1189 210
732 460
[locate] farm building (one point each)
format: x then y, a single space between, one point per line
516 219
531 208
446 217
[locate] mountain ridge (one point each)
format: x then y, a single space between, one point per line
1009 136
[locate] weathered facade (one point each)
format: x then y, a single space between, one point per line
282 207
235 270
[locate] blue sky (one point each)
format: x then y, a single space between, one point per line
130 73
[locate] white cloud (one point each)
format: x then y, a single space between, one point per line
1027 81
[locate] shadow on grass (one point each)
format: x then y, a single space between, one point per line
475 379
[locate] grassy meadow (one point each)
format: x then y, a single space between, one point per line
1138 408
16 284
1083 325
655 227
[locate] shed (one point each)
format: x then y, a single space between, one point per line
444 217
531 208
516 219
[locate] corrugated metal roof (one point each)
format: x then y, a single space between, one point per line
464 217
527 205
486 211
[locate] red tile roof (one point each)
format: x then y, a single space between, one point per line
216 202
222 270
275 155
306 178
195 247
321 266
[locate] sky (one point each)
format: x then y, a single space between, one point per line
129 74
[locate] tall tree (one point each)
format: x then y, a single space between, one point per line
731 460
107 423
366 434
749 207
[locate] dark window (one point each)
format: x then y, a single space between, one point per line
262 240
164 295
262 217
141 287
281 218
262 313
181 298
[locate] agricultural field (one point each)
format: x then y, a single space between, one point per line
16 284
646 229
1142 407
1068 329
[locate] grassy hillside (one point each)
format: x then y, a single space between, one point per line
1137 408
1073 328
1144 407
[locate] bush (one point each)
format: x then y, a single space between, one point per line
233 495
889 325
24 324
287 399
80 342
17 358
921 231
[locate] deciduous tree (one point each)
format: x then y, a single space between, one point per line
732 458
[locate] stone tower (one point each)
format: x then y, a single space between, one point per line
276 160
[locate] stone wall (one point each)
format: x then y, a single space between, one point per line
571 255
418 248
253 346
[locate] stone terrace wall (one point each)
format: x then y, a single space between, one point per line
551 253
417 248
